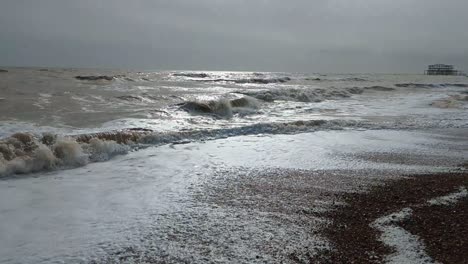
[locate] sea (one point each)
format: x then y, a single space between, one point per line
117 166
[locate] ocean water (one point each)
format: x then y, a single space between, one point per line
76 109
122 166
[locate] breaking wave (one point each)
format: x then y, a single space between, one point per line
24 153
222 107
303 95
312 95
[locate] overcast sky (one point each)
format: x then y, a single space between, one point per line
269 35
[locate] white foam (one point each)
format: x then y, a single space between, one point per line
43 100
42 158
70 153
409 248
64 153
100 150
449 199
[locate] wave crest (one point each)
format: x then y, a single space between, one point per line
24 153
222 107
303 95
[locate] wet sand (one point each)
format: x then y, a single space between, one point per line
442 229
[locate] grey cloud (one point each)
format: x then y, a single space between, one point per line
270 35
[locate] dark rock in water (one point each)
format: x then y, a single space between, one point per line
2 70
191 75
95 78
313 79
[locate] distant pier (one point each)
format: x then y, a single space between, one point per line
441 69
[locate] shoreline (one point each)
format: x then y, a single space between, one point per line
441 229
243 200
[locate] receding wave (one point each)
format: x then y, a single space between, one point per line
222 107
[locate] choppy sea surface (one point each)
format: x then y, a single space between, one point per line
99 163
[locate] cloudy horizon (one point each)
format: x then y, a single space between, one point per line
401 36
